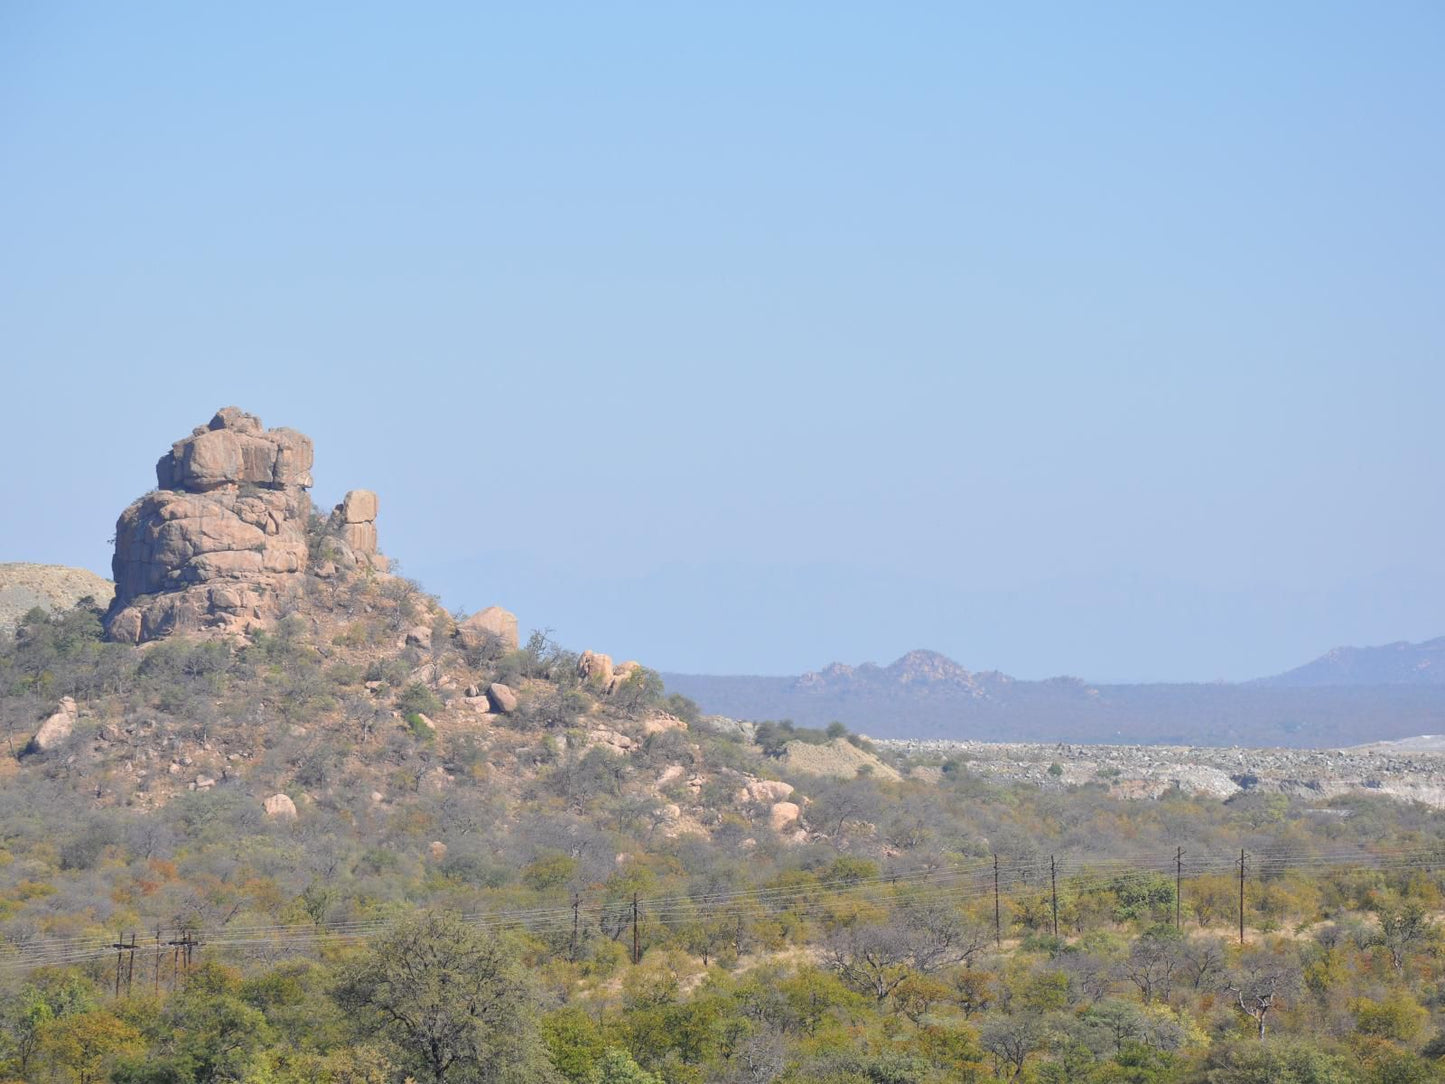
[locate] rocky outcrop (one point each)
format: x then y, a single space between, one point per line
57 728
621 672
595 669
23 587
493 623
765 791
353 525
222 542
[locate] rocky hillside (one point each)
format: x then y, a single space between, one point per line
55 588
258 649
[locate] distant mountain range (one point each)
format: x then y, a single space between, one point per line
1393 664
1345 697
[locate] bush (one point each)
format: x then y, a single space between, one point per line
417 699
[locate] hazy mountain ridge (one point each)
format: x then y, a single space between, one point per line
1400 663
1348 696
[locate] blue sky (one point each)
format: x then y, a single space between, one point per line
1097 339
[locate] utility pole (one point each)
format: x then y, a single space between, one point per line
1178 885
158 960
1241 895
576 907
636 943
997 925
183 944
1054 891
121 948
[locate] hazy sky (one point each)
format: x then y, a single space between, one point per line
1102 339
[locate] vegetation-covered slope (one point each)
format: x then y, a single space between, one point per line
491 874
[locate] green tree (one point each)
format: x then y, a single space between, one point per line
453 999
82 1047
617 1067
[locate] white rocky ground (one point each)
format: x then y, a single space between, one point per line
1410 770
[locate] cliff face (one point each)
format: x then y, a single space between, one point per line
222 542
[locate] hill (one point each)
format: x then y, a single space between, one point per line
24 586
1399 663
274 782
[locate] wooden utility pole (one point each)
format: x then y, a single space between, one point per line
121 948
997 925
636 942
1241 895
1054 891
158 961
1178 885
181 953
576 908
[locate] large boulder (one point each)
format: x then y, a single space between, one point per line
783 814
57 728
491 623
280 807
595 669
502 698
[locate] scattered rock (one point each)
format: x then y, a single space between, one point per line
419 636
437 849
204 782
617 741
502 698
656 724
279 807
763 791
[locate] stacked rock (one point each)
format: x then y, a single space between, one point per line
222 541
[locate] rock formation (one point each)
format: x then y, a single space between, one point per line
280 807
595 668
57 728
222 543
502 698
353 521
493 622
